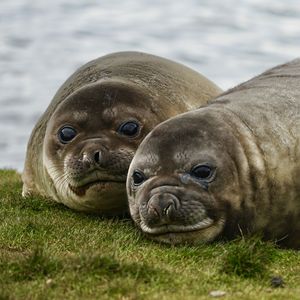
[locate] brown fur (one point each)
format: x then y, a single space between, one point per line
95 100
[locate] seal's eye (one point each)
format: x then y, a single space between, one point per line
202 172
66 134
138 177
130 128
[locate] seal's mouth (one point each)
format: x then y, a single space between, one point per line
204 231
101 184
170 228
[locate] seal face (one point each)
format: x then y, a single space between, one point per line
87 150
81 148
224 169
177 180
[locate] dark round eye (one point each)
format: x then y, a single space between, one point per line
66 134
130 128
138 177
202 172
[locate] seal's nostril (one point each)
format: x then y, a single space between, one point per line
163 208
154 211
168 208
97 157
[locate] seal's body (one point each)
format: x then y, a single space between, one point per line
230 167
80 150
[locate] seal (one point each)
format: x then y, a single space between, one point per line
228 168
80 149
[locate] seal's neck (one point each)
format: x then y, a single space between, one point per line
251 168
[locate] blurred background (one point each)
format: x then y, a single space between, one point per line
43 42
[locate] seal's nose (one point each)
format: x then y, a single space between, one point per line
161 208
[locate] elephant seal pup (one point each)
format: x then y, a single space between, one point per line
80 150
228 168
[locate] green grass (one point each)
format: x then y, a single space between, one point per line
50 252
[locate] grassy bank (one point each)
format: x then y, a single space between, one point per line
50 252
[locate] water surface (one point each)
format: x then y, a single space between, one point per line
43 42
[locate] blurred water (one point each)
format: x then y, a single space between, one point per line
43 42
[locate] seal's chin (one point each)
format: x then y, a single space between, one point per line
202 232
103 197
94 186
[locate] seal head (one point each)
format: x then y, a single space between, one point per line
87 149
177 194
80 150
